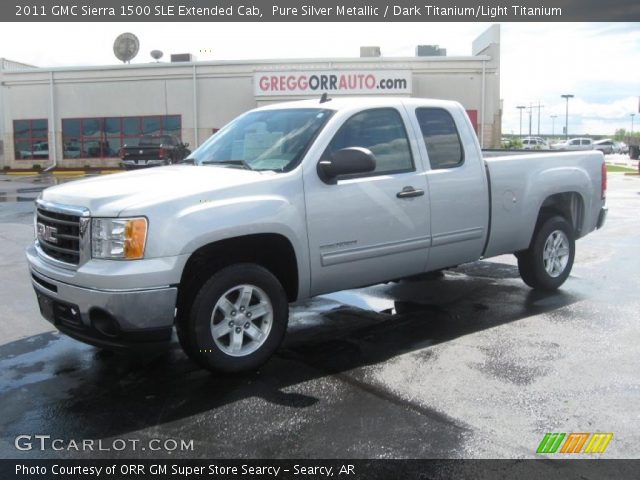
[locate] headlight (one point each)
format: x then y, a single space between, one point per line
118 238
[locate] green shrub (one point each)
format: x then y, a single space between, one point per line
513 144
36 166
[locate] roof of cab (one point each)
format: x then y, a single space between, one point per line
349 103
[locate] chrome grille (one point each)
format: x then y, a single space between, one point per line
59 235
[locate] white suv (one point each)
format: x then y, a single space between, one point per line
534 143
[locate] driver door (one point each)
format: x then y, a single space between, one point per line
370 227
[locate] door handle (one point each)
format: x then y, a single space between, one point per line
408 192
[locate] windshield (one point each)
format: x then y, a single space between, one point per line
263 140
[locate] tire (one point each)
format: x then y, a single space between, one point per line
237 320
548 261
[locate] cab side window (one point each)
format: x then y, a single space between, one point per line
440 137
382 131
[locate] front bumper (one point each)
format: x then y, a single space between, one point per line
109 318
143 163
602 217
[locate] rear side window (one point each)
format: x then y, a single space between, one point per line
382 131
586 142
440 137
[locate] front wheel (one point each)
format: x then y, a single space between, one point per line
237 320
548 261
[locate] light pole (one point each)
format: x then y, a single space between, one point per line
521 107
530 114
539 107
566 96
553 125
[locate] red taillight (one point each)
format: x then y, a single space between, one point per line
603 181
161 153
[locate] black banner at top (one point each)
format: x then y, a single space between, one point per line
318 10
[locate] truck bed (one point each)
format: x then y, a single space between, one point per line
536 176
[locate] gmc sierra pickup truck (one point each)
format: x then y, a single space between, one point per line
291 201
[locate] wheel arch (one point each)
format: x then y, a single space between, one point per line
569 205
273 251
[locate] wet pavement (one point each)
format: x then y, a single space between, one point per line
469 364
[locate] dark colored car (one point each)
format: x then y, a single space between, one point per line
154 150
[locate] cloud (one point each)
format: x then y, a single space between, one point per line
597 62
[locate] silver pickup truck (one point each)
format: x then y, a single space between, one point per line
291 201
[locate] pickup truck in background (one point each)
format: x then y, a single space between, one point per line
291 201
574 144
153 151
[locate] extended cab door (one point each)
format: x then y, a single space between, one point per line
458 188
371 227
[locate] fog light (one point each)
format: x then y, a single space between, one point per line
104 322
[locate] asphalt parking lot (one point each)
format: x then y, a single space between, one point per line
473 364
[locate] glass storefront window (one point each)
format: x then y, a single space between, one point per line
103 137
30 139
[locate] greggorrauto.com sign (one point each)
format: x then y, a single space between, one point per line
332 81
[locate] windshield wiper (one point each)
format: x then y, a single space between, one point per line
232 163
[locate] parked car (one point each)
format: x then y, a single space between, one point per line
71 150
294 200
534 143
153 151
574 144
40 151
606 146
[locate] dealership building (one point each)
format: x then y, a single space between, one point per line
81 116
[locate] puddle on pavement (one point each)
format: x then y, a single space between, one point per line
21 195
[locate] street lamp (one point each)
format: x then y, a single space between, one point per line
553 125
521 107
566 118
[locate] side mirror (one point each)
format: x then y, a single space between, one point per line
346 162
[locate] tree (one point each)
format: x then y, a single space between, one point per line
620 134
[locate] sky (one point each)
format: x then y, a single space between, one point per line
599 63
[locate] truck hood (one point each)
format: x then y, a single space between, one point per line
109 195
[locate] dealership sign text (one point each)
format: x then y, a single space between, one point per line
342 82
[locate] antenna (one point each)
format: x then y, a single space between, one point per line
126 47
156 55
324 98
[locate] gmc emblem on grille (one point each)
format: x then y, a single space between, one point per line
47 233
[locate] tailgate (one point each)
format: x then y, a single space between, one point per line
141 153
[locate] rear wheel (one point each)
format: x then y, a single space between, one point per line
237 320
548 261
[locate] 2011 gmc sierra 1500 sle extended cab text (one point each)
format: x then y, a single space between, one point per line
295 200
